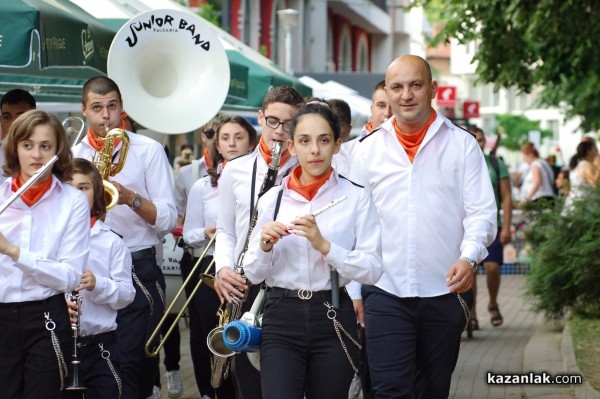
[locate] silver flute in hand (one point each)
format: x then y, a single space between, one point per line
318 211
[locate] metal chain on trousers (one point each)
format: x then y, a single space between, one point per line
144 290
466 309
331 314
62 365
106 356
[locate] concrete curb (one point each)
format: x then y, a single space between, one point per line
584 390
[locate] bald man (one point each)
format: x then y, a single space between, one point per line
438 213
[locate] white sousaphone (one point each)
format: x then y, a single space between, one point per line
171 68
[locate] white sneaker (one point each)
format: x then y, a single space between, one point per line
155 393
174 385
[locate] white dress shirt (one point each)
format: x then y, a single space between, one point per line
201 213
147 172
184 180
110 261
234 203
352 227
432 211
342 161
54 237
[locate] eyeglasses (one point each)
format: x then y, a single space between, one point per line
274 123
209 133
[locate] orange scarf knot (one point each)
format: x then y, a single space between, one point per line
34 193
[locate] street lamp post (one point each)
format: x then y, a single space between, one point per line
288 19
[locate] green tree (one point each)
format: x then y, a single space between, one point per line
515 130
211 13
524 44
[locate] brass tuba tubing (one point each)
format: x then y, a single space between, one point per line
157 330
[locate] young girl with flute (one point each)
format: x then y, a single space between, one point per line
315 226
106 286
44 245
235 137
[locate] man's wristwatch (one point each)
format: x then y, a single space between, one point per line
470 262
137 201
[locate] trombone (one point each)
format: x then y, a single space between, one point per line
204 278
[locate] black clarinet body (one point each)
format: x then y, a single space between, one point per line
75 384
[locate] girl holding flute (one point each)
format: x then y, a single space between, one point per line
309 324
44 244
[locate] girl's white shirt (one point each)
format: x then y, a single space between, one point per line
201 212
235 185
54 240
110 261
352 227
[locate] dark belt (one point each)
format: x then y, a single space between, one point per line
303 293
142 253
104 338
54 301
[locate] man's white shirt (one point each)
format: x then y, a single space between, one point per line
432 211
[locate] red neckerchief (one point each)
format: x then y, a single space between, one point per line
412 142
369 127
93 220
266 153
94 139
34 193
207 158
308 190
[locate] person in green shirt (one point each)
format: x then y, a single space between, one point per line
502 191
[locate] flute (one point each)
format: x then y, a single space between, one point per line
317 212
39 173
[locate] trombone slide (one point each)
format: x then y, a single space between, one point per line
148 347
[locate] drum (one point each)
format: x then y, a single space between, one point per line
171 269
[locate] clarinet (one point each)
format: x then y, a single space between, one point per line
267 184
75 362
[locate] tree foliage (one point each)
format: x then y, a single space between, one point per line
566 257
515 130
211 13
524 44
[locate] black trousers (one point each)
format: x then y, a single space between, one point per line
135 324
95 373
301 353
413 343
202 312
29 368
363 368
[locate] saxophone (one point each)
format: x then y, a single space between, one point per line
105 164
233 311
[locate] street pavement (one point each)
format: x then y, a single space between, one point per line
524 343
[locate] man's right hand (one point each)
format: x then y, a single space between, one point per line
230 283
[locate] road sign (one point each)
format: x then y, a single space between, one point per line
446 96
471 109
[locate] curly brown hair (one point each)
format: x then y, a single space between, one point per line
22 129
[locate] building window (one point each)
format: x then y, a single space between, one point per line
362 58
345 61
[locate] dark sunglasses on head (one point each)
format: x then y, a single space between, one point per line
209 133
